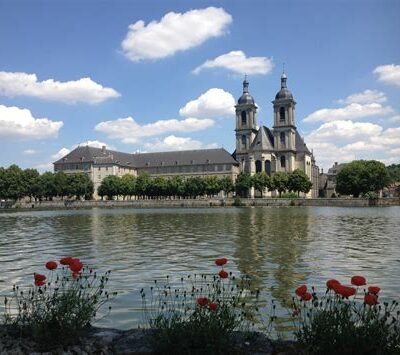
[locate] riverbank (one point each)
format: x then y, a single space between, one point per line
199 203
113 341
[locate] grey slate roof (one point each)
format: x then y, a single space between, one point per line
300 145
264 140
184 157
142 160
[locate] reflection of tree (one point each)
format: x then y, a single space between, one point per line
269 246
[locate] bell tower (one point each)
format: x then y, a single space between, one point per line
284 127
246 125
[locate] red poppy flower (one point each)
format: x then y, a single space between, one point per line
223 274
66 260
51 265
345 291
203 301
39 277
301 290
213 306
330 283
221 261
370 299
374 290
39 283
306 296
76 265
358 281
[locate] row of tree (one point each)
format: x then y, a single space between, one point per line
16 183
161 187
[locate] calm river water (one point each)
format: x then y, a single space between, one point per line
280 247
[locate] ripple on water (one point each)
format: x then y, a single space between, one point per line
279 247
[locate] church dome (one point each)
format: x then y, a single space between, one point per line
246 98
284 93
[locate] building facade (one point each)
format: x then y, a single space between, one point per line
281 148
258 149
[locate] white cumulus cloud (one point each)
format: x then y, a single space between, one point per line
237 62
16 122
83 90
172 142
344 141
129 131
212 104
61 153
174 32
388 74
365 97
349 112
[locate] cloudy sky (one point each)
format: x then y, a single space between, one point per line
165 75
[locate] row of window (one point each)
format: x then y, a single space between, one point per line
188 169
72 166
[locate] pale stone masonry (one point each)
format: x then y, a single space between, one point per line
257 149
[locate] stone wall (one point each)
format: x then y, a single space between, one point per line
213 202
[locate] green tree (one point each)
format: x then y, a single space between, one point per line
110 186
80 186
279 182
242 184
127 185
362 176
47 185
194 186
394 173
61 184
260 181
13 183
226 185
211 185
2 183
298 182
176 186
30 178
142 183
157 187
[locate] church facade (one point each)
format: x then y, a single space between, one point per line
258 149
272 150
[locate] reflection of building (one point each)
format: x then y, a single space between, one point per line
271 150
258 149
327 181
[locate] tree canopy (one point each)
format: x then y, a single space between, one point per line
362 176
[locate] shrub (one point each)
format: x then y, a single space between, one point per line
200 314
346 320
58 306
237 202
289 195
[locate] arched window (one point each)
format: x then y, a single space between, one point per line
283 161
268 167
244 141
282 113
282 138
258 166
244 118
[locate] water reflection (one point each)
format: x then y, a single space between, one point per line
279 247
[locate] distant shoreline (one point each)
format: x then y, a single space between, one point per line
201 203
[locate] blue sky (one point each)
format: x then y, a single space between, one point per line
164 75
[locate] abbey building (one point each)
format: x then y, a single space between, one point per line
258 149
271 150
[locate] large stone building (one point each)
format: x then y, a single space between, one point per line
271 150
257 149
